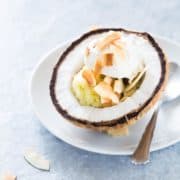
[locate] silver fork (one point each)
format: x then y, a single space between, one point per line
172 92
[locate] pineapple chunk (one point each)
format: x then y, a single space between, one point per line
84 92
105 90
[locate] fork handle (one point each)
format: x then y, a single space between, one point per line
141 154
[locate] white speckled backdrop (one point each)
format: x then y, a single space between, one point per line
28 28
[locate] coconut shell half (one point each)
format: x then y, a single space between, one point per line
112 120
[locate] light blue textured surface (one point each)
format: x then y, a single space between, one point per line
28 29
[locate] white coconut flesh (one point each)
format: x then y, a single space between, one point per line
138 50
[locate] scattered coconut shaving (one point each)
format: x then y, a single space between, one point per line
36 160
8 176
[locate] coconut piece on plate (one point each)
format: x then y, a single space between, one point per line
94 27
36 160
8 176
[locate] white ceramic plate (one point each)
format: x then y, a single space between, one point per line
167 130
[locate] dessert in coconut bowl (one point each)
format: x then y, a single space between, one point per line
108 79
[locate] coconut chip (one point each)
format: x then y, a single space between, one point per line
118 51
36 160
107 59
97 67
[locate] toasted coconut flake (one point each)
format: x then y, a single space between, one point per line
105 90
97 67
123 98
118 44
107 40
118 86
36 160
135 81
108 80
8 176
118 50
89 77
107 59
